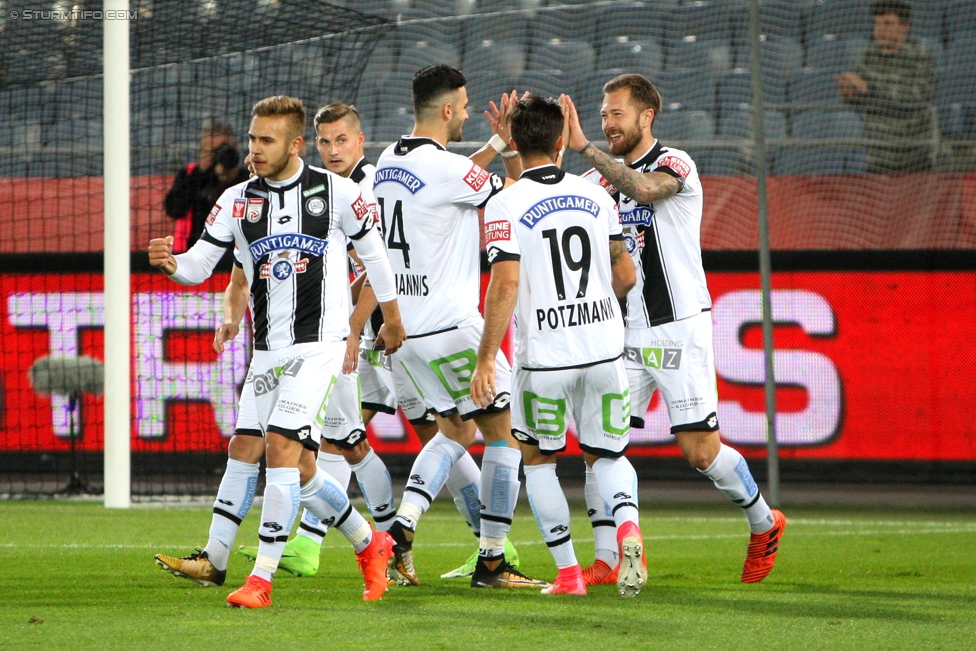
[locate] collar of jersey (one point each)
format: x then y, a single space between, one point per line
649 157
407 144
538 174
290 185
357 172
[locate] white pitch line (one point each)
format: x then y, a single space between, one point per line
951 529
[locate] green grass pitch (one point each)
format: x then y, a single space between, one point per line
78 576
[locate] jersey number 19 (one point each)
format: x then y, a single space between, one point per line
572 263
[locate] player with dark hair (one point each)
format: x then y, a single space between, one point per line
290 224
556 247
659 196
429 200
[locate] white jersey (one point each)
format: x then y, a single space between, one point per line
291 243
664 242
363 175
428 199
559 229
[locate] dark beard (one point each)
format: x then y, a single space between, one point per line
626 144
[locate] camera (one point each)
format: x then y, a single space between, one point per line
228 157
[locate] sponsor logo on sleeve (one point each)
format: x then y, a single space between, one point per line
212 217
495 231
608 186
476 177
255 207
240 205
676 164
360 207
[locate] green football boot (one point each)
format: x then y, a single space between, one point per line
467 570
301 556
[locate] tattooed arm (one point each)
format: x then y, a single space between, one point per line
622 268
642 188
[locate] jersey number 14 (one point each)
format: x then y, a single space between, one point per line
394 234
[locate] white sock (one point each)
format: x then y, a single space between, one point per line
464 484
731 475
281 500
551 511
335 464
617 481
601 519
233 501
427 478
326 499
377 486
500 489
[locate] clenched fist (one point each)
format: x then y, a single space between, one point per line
161 254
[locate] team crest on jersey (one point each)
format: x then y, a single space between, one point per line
495 231
255 206
676 164
212 217
240 205
631 241
281 269
399 175
476 177
315 206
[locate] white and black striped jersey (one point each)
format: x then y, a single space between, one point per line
559 228
363 175
428 199
664 240
291 239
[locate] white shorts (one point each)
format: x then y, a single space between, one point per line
342 423
437 369
380 391
676 358
292 388
247 411
595 396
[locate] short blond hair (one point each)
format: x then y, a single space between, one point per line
336 111
282 105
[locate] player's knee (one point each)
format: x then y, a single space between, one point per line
246 449
356 453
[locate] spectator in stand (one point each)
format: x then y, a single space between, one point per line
894 85
197 186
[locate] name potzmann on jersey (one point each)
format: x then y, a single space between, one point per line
576 314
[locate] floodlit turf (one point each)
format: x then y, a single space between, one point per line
77 576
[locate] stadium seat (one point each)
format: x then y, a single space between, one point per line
414 56
567 23
700 54
435 32
484 87
550 83
395 94
961 52
955 94
497 28
815 88
568 56
780 56
839 17
392 125
825 159
684 125
641 21
643 57
835 53
685 90
505 57
960 19
736 124
381 62
588 99
443 7
703 20
777 19
735 89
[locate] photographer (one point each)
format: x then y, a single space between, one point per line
198 185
